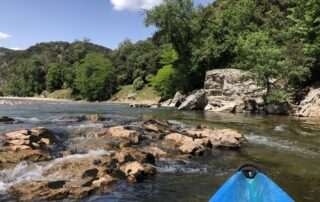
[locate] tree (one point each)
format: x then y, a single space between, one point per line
54 78
165 82
258 53
27 79
306 31
95 78
177 22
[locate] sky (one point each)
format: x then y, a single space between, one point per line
105 22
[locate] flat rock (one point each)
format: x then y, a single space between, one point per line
120 132
179 138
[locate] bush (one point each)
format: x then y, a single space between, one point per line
277 96
138 84
164 82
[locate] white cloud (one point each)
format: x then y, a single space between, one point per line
134 4
4 35
15 48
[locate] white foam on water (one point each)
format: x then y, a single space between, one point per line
34 171
88 125
280 128
180 166
28 120
279 144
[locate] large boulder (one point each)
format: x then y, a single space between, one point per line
196 101
310 106
177 100
166 103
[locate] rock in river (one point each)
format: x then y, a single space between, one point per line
122 133
196 101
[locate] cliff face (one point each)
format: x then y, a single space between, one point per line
232 90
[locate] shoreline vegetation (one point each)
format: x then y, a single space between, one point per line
266 38
124 96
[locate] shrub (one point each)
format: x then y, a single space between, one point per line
138 84
164 82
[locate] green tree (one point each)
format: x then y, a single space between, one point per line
258 53
54 78
165 81
95 78
177 22
306 31
27 79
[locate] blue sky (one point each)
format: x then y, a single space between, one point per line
106 22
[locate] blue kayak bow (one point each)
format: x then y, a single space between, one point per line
250 184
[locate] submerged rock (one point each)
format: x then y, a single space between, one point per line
93 117
8 120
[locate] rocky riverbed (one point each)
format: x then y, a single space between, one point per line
107 152
127 152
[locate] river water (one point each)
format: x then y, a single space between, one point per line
287 148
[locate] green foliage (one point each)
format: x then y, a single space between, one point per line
136 60
164 82
138 84
278 41
277 96
27 79
178 24
95 78
54 78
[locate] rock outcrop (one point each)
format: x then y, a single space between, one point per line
232 90
310 106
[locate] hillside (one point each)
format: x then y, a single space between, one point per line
4 52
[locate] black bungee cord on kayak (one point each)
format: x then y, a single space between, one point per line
250 170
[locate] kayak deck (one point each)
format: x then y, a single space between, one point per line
260 188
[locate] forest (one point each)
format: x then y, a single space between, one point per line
277 40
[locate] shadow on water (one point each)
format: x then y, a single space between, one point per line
287 148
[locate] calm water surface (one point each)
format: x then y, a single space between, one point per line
287 148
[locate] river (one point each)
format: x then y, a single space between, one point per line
287 148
